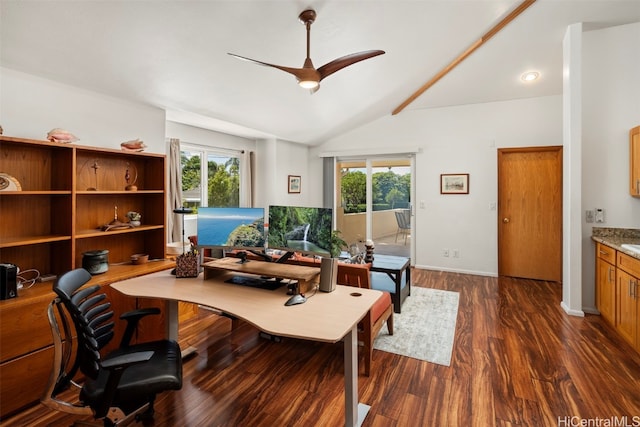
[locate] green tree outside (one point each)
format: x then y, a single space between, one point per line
389 191
223 179
190 172
354 189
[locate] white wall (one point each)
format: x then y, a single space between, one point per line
277 160
611 106
572 170
462 139
31 106
195 135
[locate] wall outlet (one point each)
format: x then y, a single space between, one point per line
456 253
599 215
589 216
445 253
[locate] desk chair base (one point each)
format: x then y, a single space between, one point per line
121 419
363 410
114 418
188 352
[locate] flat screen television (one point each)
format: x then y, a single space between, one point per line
300 229
231 228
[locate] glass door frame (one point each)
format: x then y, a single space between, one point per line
369 166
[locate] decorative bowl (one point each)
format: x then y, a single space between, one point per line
139 258
96 262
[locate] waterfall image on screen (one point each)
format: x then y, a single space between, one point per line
231 228
300 229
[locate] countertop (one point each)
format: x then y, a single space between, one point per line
616 237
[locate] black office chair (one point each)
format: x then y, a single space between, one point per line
121 386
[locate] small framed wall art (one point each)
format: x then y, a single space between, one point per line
454 183
294 183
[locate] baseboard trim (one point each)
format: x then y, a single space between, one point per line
591 310
571 312
457 270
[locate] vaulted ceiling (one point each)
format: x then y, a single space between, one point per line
174 55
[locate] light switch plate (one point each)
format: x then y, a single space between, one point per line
589 216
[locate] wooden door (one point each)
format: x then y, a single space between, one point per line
530 213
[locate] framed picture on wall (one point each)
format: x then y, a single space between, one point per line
294 183
457 183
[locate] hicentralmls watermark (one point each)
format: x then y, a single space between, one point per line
614 421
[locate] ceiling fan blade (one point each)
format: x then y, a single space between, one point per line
298 72
308 77
344 61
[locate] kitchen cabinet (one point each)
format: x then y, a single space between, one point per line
606 282
627 298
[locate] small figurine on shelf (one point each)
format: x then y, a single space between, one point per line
134 218
369 246
116 224
131 186
61 135
133 145
95 168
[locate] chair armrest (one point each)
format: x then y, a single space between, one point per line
132 318
139 313
115 367
125 360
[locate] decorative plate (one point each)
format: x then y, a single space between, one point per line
9 183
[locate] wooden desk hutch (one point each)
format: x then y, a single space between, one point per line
61 196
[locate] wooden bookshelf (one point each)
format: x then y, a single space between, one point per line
67 192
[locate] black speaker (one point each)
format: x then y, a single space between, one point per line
328 274
8 281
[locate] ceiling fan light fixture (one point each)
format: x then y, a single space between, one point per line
530 76
308 84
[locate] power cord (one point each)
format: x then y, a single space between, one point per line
27 282
315 291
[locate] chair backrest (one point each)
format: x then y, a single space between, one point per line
91 316
357 275
403 218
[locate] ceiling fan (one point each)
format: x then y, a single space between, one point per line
308 76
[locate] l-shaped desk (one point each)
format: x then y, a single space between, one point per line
326 317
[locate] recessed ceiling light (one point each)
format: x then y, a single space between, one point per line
530 76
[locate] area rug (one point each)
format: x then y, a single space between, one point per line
426 327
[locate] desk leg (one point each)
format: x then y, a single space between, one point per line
354 413
172 320
172 326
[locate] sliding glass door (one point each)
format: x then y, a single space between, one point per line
374 203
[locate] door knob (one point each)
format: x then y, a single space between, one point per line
505 220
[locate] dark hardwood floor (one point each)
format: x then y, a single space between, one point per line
518 360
